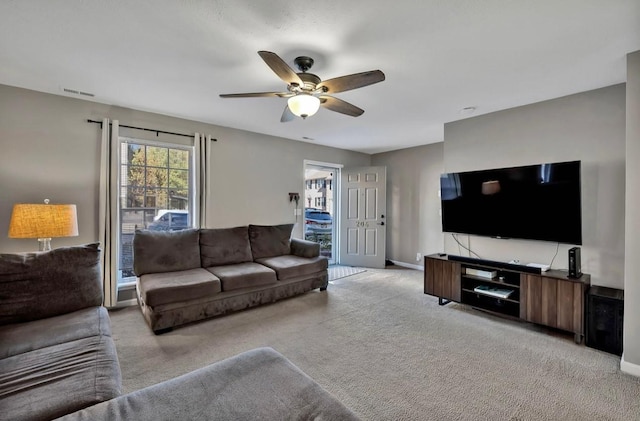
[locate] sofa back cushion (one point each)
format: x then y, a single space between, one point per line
224 246
44 284
270 240
165 251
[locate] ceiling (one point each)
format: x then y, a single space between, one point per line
439 57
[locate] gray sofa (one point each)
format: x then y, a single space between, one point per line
57 358
56 351
189 275
260 384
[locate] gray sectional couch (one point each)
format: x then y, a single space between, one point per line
56 351
58 359
189 275
260 384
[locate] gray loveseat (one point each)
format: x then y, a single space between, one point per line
56 351
189 275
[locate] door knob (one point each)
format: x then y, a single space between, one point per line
381 223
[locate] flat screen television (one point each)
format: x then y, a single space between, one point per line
533 202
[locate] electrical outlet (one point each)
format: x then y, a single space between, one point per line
418 257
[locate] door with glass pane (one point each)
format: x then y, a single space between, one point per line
319 207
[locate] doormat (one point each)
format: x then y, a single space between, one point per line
337 272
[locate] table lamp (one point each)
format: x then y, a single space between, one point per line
43 221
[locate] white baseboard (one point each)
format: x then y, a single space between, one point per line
407 265
629 368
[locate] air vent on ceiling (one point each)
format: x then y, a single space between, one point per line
75 92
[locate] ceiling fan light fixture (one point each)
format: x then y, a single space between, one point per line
304 105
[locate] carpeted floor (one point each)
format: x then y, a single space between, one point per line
389 352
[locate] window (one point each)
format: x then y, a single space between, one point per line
156 193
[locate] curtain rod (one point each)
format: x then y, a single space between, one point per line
157 132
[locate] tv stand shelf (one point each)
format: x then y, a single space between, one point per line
547 298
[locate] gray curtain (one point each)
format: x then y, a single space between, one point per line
107 213
202 145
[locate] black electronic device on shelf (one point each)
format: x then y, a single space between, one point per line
490 288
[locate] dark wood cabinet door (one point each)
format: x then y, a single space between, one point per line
553 302
429 275
442 278
570 306
541 300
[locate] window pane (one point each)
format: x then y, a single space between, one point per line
179 179
156 177
133 197
133 176
156 198
178 159
135 154
157 157
178 199
155 193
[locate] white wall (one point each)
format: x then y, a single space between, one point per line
50 151
588 126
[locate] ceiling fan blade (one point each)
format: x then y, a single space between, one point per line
287 115
356 80
340 106
281 68
256 94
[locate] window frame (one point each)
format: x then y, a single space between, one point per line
127 282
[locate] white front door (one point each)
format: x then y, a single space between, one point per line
362 217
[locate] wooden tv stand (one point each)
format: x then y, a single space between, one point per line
547 298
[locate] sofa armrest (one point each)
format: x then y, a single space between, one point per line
43 284
304 248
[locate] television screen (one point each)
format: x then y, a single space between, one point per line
534 202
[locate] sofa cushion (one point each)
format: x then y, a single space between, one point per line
50 382
165 251
184 285
259 384
43 284
224 246
270 240
243 275
291 266
18 338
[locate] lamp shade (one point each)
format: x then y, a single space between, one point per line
304 105
43 221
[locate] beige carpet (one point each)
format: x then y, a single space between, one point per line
389 352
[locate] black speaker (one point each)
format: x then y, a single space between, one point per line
575 271
605 316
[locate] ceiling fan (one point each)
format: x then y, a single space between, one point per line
307 92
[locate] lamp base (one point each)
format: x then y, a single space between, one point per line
44 244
